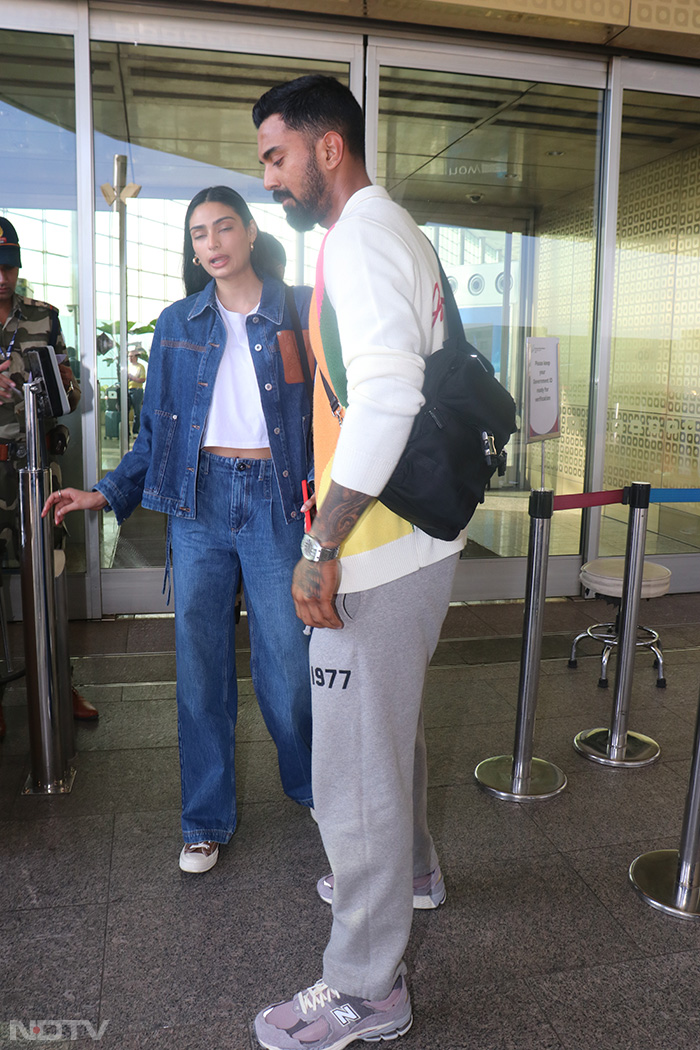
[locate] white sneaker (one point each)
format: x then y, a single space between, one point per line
199 856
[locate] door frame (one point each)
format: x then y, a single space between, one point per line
100 592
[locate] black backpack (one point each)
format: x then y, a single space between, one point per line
458 438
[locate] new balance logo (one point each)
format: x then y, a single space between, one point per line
345 1014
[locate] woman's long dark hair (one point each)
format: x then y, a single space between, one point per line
195 277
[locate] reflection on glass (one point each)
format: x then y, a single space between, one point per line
38 175
654 414
182 119
502 174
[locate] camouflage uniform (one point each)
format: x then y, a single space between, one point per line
31 323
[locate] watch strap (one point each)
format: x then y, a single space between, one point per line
312 550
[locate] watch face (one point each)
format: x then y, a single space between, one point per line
310 548
313 551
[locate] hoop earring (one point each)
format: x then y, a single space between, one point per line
196 261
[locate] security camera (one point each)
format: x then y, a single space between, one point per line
474 198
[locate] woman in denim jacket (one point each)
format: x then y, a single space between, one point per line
222 449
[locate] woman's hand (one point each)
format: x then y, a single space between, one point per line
66 373
309 504
6 384
66 500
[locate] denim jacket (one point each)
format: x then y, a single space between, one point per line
160 472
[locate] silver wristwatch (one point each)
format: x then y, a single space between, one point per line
312 550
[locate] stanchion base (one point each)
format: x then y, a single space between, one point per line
640 751
56 787
495 776
655 878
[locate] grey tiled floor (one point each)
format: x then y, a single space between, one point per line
542 944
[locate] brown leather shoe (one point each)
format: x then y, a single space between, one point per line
82 709
3 727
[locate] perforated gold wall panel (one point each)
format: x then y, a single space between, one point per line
665 26
654 423
654 406
681 16
564 308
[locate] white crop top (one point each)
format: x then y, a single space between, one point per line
235 418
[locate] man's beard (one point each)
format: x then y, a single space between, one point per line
314 206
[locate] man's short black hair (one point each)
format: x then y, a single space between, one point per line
316 104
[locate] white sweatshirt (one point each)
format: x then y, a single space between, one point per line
377 314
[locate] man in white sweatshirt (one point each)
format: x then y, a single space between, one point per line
374 588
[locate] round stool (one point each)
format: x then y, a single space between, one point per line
604 577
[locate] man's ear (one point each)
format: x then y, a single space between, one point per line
330 150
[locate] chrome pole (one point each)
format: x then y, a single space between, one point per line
119 207
50 772
669 879
617 746
520 777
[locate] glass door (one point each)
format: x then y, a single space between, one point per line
168 122
501 170
39 199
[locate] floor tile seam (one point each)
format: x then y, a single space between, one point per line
106 749
429 726
127 685
679 768
458 639
687 715
106 919
80 905
84 657
628 936
624 964
118 704
118 750
637 955
458 724
590 769
605 846
570 851
540 1004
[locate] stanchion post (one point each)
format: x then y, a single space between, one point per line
669 879
520 777
48 738
617 746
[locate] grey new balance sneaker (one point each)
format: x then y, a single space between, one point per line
320 1018
428 890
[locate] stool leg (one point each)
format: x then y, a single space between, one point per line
603 680
660 681
573 662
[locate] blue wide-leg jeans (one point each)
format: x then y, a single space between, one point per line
240 527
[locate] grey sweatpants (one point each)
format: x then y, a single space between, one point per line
369 770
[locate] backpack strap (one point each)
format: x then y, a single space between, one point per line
454 334
296 325
454 337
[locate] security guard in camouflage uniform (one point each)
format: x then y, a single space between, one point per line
25 323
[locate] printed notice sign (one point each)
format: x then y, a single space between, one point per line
543 388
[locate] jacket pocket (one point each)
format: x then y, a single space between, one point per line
164 432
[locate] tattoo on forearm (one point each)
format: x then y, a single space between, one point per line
308 579
341 510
